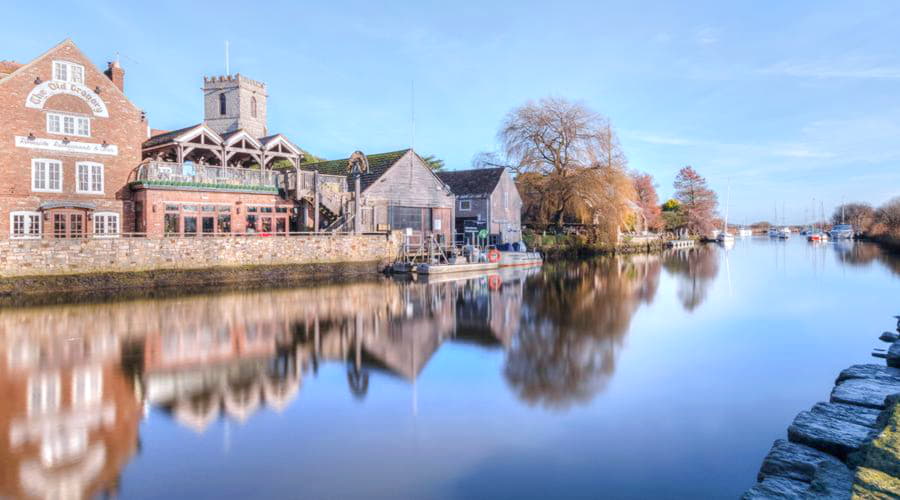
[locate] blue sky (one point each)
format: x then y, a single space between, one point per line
784 101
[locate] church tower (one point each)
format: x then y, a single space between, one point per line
235 102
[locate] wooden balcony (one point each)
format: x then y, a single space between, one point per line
159 173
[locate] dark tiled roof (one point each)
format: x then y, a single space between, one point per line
378 165
472 182
168 136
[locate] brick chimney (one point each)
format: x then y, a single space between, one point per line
116 74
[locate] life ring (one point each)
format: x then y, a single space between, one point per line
494 282
493 255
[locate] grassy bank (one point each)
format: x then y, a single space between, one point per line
560 246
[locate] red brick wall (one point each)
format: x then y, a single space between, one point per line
123 128
154 201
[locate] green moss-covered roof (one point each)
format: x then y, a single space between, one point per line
378 165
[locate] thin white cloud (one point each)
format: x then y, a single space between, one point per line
848 69
707 36
652 138
799 150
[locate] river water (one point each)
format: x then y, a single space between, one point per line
663 376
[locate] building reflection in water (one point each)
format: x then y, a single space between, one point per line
69 418
78 377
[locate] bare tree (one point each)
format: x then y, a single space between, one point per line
569 164
861 215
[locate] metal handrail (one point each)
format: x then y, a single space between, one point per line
153 170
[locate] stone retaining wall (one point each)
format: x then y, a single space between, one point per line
54 257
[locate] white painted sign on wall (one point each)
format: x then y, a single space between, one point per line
41 93
88 148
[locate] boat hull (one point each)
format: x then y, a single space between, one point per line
511 259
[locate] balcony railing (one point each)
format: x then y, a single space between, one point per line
206 175
336 183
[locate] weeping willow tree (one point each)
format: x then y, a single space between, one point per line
569 164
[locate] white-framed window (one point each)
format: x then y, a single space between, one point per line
46 175
62 446
106 224
506 200
25 225
90 177
465 205
43 393
87 386
62 124
68 72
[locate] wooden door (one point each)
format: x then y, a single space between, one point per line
68 223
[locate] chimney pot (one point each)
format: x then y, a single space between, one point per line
115 73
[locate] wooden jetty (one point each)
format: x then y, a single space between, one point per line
456 268
679 243
848 447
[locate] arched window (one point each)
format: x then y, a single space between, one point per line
253 107
222 103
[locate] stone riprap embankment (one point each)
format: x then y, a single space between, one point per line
848 447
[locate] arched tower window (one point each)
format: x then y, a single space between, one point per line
222 103
253 107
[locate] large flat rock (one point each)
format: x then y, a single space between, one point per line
777 487
850 413
868 392
871 371
793 461
827 433
893 355
832 480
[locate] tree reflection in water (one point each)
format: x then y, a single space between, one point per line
574 318
696 269
864 254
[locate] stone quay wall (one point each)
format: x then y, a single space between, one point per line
54 257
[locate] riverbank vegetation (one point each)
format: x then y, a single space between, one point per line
577 189
881 224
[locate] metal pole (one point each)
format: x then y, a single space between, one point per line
357 215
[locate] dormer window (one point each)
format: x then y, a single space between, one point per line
68 72
222 108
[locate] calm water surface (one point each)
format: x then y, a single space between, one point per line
639 377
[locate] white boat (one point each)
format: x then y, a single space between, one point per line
517 254
745 232
784 233
841 232
773 232
724 236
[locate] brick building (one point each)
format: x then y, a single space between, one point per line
78 159
217 177
69 139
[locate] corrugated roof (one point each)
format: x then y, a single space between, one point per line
472 182
378 165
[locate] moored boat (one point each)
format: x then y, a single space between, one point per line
841 232
517 254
